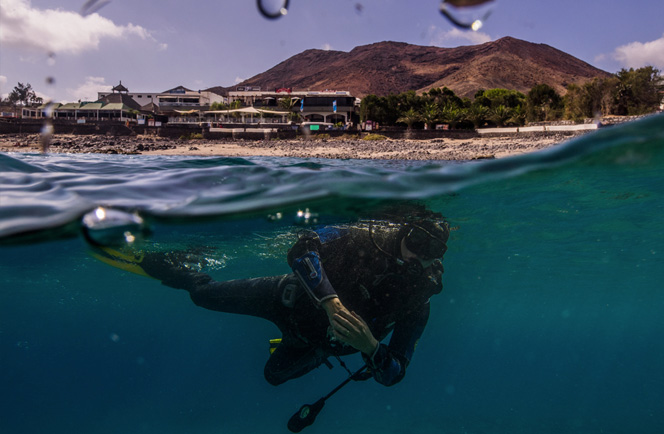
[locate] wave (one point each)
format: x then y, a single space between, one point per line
45 196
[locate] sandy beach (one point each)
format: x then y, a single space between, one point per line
351 148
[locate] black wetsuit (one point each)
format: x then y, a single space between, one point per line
358 265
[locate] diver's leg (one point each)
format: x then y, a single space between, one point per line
259 297
289 361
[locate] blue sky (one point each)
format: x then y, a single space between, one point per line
154 45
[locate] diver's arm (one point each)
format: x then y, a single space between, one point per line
310 272
305 261
388 363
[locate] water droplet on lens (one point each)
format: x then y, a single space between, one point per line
467 14
46 134
273 9
112 227
92 6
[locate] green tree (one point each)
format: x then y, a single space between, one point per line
508 98
218 106
481 99
24 95
543 103
430 114
409 100
409 118
638 90
371 108
477 114
518 116
500 115
443 97
452 115
287 103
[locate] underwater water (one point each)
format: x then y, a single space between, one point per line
550 320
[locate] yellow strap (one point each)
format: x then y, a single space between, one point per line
274 343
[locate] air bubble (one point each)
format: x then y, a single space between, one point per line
306 217
467 14
273 9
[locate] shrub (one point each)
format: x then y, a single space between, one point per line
191 136
374 137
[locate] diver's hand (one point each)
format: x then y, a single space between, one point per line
332 306
350 328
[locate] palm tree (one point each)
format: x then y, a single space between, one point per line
518 116
430 114
500 115
452 115
478 114
409 117
287 103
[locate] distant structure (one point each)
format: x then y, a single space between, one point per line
179 105
177 102
328 106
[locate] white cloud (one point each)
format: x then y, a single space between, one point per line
455 37
239 80
638 54
55 30
88 90
327 47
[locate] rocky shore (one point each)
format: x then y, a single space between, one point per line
343 148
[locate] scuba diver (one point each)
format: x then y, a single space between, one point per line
350 286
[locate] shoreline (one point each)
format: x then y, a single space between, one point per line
389 149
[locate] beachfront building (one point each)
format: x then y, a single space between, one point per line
328 106
178 105
115 106
183 105
40 111
248 115
140 98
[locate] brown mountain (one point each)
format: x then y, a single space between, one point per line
394 67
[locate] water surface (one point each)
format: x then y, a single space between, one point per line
550 320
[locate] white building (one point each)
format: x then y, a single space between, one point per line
178 103
327 106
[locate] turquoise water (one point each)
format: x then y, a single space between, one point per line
550 320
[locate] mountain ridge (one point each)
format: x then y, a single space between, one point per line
393 67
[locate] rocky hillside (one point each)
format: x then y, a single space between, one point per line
394 67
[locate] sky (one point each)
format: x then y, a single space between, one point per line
156 45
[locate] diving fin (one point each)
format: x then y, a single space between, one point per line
171 269
128 261
274 343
